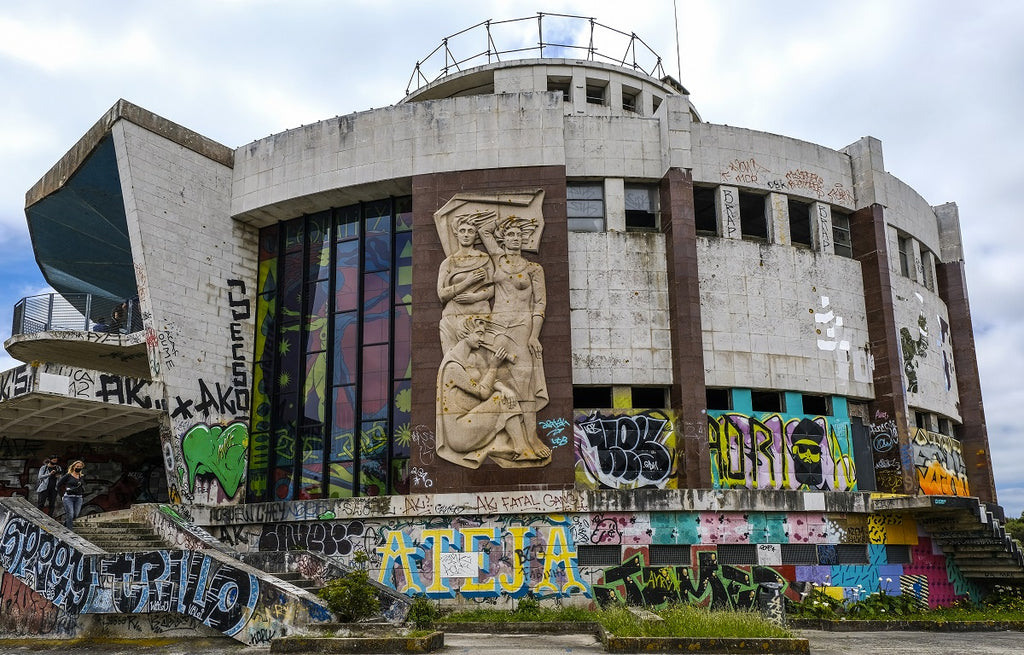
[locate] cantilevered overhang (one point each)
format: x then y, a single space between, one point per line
122 354
76 212
63 403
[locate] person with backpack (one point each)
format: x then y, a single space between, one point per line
46 485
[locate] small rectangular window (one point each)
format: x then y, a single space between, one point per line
800 223
648 397
817 405
945 427
584 207
797 554
842 244
753 220
897 554
669 555
852 553
591 397
630 99
737 554
704 213
921 420
718 398
906 252
599 555
766 401
596 92
561 85
928 268
641 207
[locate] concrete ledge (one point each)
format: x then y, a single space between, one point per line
613 644
523 627
891 626
369 644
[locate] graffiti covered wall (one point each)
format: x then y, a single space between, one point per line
775 452
939 462
492 548
42 570
625 449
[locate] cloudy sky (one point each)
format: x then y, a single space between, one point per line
941 83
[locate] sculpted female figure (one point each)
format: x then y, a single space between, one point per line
464 279
520 300
478 412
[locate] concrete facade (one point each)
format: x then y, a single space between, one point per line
751 345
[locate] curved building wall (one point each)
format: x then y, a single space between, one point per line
723 154
618 295
778 317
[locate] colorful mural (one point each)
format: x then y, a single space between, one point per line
625 449
939 462
773 452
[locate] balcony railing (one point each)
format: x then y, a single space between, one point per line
558 35
76 311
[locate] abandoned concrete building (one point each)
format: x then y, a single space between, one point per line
537 328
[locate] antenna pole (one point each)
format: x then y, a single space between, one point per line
679 59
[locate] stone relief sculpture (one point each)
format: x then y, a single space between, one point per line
491 381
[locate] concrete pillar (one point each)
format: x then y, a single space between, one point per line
688 391
821 227
952 287
614 204
778 219
890 436
727 206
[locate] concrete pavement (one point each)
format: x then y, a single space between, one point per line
822 643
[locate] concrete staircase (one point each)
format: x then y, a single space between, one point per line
119 535
299 580
971 533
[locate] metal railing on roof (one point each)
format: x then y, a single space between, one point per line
562 38
76 311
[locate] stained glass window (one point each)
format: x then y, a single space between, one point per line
331 387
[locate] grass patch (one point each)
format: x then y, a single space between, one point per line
677 621
691 621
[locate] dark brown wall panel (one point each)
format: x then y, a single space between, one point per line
430 193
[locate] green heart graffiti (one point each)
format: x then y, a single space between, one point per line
217 450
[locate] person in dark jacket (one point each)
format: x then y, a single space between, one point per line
49 473
73 485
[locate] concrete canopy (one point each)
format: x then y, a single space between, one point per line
79 232
50 417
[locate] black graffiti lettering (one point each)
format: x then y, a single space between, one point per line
630 449
238 314
111 386
182 409
14 383
131 392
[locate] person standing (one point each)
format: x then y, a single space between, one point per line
49 473
73 484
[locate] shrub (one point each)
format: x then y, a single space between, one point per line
528 609
423 614
351 597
